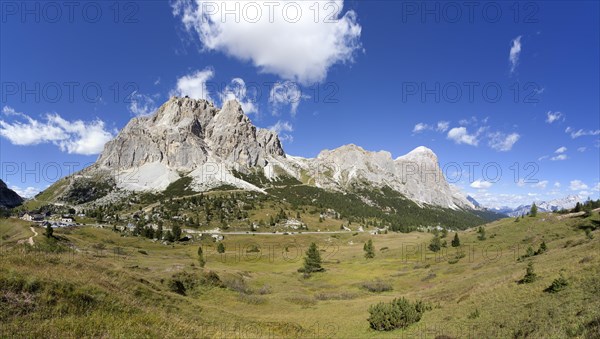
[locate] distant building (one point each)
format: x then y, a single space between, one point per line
32 217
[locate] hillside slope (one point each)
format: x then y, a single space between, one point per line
118 285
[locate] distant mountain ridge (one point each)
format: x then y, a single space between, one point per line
567 202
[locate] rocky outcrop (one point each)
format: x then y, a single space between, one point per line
416 175
8 197
184 134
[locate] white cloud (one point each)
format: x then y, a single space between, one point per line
283 126
559 157
502 142
460 136
286 93
515 51
74 137
554 116
541 185
521 182
597 187
581 149
236 90
559 150
481 184
557 184
28 192
577 185
420 127
581 132
141 104
442 126
268 35
194 85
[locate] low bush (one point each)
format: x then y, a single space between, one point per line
557 285
376 286
399 313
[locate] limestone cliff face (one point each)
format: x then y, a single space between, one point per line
185 134
416 175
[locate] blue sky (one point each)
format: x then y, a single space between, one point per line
505 85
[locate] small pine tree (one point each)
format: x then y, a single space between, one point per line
176 232
201 260
543 248
312 261
369 249
481 233
530 275
455 241
558 284
533 211
436 244
587 209
221 248
158 234
49 231
444 233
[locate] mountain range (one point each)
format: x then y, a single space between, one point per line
194 139
567 202
192 146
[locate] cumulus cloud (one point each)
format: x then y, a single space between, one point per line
237 90
482 184
194 85
541 185
581 149
141 104
442 126
74 137
559 150
581 132
460 135
557 184
283 128
28 192
577 185
515 51
503 142
286 93
554 116
420 127
288 39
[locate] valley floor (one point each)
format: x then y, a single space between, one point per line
92 282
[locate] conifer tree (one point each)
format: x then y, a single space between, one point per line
369 250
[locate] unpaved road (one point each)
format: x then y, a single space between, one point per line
35 234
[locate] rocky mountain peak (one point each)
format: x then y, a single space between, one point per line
418 154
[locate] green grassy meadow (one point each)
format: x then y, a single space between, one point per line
91 282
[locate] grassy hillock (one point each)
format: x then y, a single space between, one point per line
105 284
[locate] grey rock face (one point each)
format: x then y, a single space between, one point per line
8 197
185 133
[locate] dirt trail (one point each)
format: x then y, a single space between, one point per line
35 234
